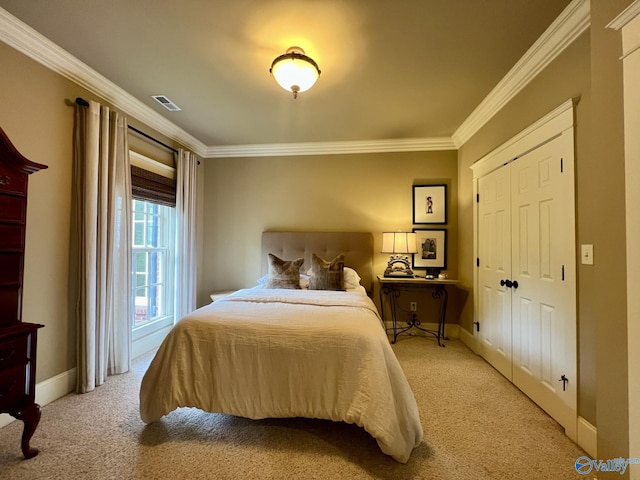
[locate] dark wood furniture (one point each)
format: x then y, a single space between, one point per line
391 287
17 338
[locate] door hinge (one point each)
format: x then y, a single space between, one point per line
477 198
477 325
561 165
563 273
477 262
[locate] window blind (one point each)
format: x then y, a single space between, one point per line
151 187
152 180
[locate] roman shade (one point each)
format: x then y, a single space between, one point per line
152 187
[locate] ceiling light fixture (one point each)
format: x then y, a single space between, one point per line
294 71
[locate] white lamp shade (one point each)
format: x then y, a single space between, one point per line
294 71
399 242
294 74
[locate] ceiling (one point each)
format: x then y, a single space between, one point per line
391 70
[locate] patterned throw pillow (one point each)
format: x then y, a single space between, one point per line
327 275
284 273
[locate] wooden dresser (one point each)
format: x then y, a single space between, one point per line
17 338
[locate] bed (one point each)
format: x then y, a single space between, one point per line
266 352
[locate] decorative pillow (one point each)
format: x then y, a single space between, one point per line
327 275
351 279
304 280
284 273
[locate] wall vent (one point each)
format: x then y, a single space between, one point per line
166 103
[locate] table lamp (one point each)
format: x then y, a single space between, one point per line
400 245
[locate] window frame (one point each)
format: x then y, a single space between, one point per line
166 247
148 335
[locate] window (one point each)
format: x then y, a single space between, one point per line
153 252
153 240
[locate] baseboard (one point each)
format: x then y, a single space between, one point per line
587 433
587 437
451 331
48 390
468 339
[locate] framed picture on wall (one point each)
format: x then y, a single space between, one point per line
432 249
429 204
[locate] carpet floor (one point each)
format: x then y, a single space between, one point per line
477 426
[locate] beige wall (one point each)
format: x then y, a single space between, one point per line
39 123
604 285
242 198
37 115
567 77
631 39
367 192
589 69
363 192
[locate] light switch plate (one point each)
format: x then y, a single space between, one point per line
587 254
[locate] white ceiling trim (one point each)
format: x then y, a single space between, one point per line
331 148
570 24
628 14
573 21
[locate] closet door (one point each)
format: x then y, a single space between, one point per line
526 277
543 265
494 254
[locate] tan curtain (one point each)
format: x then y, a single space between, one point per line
102 221
186 199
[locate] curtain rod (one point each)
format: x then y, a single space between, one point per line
84 103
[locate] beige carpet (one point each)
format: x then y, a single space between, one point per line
477 426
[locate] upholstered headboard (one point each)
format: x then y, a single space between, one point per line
356 246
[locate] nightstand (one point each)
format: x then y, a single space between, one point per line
221 294
391 287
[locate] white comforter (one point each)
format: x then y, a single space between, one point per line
270 353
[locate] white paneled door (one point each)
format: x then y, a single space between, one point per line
543 309
526 276
494 254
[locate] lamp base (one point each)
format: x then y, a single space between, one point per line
399 275
398 266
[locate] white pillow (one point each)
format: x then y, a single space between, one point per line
351 278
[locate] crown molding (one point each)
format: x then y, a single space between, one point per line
330 148
573 21
630 37
570 24
628 14
28 41
541 131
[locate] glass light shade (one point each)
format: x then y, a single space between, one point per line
399 242
294 71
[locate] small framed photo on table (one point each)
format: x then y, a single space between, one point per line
429 204
432 249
